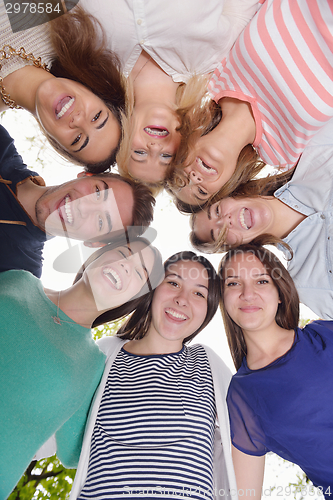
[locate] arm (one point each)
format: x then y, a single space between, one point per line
249 471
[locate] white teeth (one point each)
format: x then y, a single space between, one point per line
242 219
113 276
68 210
176 314
161 133
65 108
204 166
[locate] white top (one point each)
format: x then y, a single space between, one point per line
224 477
310 192
184 37
282 65
35 40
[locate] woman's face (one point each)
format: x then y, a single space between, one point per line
154 143
179 304
244 219
250 295
119 274
77 119
208 173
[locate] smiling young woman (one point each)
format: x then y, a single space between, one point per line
284 372
50 366
158 420
79 103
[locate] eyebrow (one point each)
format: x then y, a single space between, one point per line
85 144
254 276
197 284
103 123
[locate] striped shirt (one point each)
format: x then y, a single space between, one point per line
282 65
154 430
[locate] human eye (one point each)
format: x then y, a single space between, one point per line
100 223
97 116
202 192
231 283
173 283
201 295
263 281
140 152
123 254
217 210
139 273
98 192
76 140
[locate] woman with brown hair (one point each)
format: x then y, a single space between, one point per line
279 400
79 102
291 210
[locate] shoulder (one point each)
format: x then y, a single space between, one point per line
110 344
220 371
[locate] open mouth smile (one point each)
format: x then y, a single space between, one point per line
176 315
204 167
156 131
65 210
63 106
113 277
245 219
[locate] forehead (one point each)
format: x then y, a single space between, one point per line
189 271
244 264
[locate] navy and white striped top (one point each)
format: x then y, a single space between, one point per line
154 431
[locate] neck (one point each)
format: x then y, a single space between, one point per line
149 345
151 83
264 347
237 126
77 302
285 219
22 86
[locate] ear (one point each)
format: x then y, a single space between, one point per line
94 244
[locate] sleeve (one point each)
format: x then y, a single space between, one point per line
246 431
11 163
239 13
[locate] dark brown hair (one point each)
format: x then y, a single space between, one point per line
155 277
287 315
82 55
137 326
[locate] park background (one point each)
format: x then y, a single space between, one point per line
282 479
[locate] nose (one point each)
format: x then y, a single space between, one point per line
85 205
181 299
154 146
76 119
125 265
248 292
195 177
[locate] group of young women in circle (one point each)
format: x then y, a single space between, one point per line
149 412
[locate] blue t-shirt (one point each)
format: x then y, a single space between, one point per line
21 241
287 406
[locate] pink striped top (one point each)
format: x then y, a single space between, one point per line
282 64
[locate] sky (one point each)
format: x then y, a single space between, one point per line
172 236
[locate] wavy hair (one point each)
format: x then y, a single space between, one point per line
137 326
287 315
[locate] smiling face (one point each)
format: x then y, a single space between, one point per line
119 274
244 219
77 119
208 173
250 296
179 304
86 208
154 142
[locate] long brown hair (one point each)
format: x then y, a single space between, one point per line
154 278
287 315
82 55
137 326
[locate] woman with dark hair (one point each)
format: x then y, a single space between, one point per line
49 364
79 102
280 398
272 97
152 428
291 210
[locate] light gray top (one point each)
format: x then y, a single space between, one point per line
310 192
